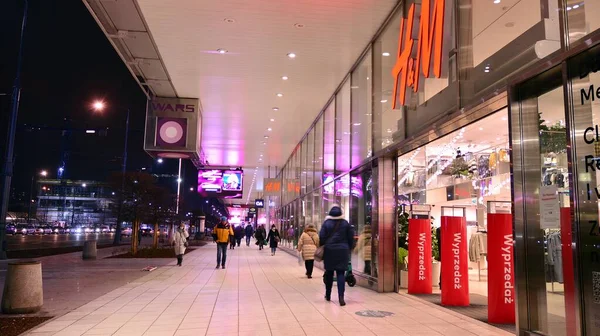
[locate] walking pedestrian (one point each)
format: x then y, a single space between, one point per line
249 230
338 238
221 235
273 239
180 242
232 238
238 232
260 236
307 245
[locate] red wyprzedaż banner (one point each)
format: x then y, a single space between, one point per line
455 268
501 274
419 256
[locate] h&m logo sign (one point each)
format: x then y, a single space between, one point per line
429 45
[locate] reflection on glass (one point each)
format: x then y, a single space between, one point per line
582 18
361 111
342 129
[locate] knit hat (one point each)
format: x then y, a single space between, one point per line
223 218
335 211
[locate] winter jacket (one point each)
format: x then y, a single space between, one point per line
249 230
338 243
273 238
238 232
223 231
308 242
364 245
260 234
179 239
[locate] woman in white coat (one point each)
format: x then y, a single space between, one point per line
180 242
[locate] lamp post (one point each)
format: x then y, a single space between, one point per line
43 173
99 106
10 143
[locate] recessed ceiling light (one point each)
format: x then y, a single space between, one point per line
280 95
481 128
272 119
496 1
221 51
356 124
575 6
266 136
504 118
299 25
569 8
509 24
486 70
384 100
386 54
269 129
275 108
291 55
229 20
285 77
264 143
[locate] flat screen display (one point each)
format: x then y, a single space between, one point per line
220 183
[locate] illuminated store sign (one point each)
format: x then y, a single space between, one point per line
429 45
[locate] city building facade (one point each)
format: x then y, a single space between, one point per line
469 115
75 203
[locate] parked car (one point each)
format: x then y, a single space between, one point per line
47 230
147 232
67 229
77 230
88 229
126 232
39 230
26 229
11 229
58 230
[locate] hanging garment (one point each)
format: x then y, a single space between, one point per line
555 255
477 246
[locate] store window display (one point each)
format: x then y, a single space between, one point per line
465 173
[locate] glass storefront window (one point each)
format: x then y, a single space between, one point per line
585 120
318 167
309 168
329 139
361 111
502 40
361 198
541 223
388 124
342 129
582 18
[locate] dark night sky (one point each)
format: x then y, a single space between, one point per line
68 63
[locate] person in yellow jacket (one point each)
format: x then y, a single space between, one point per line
221 235
307 245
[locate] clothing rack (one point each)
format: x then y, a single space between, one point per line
548 232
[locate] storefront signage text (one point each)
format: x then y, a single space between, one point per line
508 264
429 44
421 248
456 252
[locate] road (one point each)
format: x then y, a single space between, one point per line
33 242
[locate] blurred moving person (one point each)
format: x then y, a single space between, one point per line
238 232
249 231
260 236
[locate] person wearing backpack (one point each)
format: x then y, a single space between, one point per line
337 237
307 245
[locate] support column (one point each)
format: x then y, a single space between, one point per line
384 214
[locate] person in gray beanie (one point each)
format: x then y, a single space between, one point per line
338 238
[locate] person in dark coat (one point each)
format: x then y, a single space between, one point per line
260 236
249 230
338 238
238 232
273 238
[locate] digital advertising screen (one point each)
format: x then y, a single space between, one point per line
220 183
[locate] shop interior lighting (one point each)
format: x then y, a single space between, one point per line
291 55
386 54
496 1
275 108
285 77
448 146
272 119
280 95
384 100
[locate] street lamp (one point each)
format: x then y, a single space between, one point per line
99 105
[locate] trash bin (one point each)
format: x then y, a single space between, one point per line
89 250
23 292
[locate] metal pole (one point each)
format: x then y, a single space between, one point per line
10 147
178 187
30 196
117 239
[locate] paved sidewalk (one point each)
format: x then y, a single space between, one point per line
256 295
70 282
